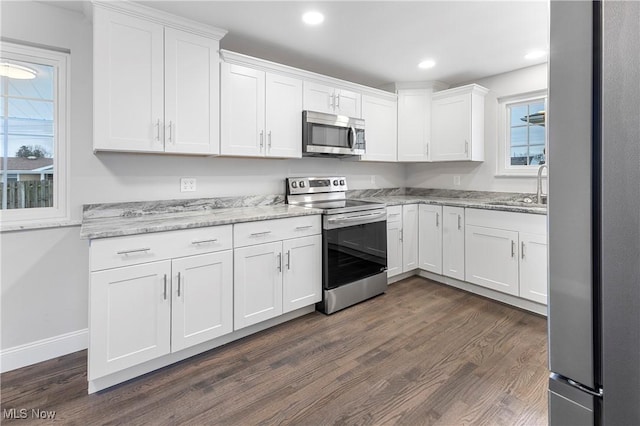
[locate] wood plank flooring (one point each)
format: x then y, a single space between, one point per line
422 354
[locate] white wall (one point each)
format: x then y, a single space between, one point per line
44 278
481 176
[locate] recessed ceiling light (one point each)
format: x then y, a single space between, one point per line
313 18
16 71
536 54
426 64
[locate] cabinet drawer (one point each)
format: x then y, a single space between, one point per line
266 231
130 250
394 214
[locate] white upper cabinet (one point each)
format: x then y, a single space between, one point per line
261 113
331 100
414 124
380 120
156 88
457 124
192 87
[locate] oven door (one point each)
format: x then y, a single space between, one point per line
353 248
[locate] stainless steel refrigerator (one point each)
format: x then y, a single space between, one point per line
594 213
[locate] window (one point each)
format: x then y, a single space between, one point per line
524 136
33 134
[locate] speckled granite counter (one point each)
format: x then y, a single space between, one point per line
118 219
503 201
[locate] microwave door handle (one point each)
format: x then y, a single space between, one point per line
352 132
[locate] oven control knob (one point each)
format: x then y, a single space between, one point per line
335 182
301 184
294 184
341 182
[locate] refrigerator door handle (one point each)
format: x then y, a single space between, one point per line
597 393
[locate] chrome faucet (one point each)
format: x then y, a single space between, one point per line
539 193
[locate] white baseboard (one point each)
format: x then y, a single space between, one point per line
43 350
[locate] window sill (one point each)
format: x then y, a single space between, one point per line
44 224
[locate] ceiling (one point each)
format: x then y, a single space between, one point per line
379 42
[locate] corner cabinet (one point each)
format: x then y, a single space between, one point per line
331 100
380 116
156 87
414 124
457 124
261 113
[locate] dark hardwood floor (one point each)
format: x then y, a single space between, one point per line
423 353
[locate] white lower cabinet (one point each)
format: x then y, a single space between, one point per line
130 316
430 241
453 242
278 275
202 298
507 252
492 260
533 267
402 239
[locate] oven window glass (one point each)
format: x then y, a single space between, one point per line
323 135
353 253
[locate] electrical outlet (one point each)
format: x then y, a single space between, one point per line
187 184
456 180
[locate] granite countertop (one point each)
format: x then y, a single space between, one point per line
114 220
120 219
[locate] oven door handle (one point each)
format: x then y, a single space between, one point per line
357 218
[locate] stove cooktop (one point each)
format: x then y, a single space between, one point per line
343 206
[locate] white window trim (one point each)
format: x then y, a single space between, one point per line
503 166
60 212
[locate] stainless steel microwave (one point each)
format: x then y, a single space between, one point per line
328 135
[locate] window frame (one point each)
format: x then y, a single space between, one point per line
60 212
503 163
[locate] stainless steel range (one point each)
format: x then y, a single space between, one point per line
354 241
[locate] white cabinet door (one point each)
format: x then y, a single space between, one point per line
409 236
414 124
394 248
242 111
380 116
318 97
533 267
491 258
283 116
302 277
202 298
257 283
130 316
128 82
451 128
191 93
453 242
430 239
347 103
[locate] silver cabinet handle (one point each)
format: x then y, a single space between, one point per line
459 222
338 101
466 147
261 139
299 228
204 241
288 259
257 234
179 284
402 235
139 250
165 286
513 248
170 131
269 139
437 219
332 101
279 263
522 249
158 130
